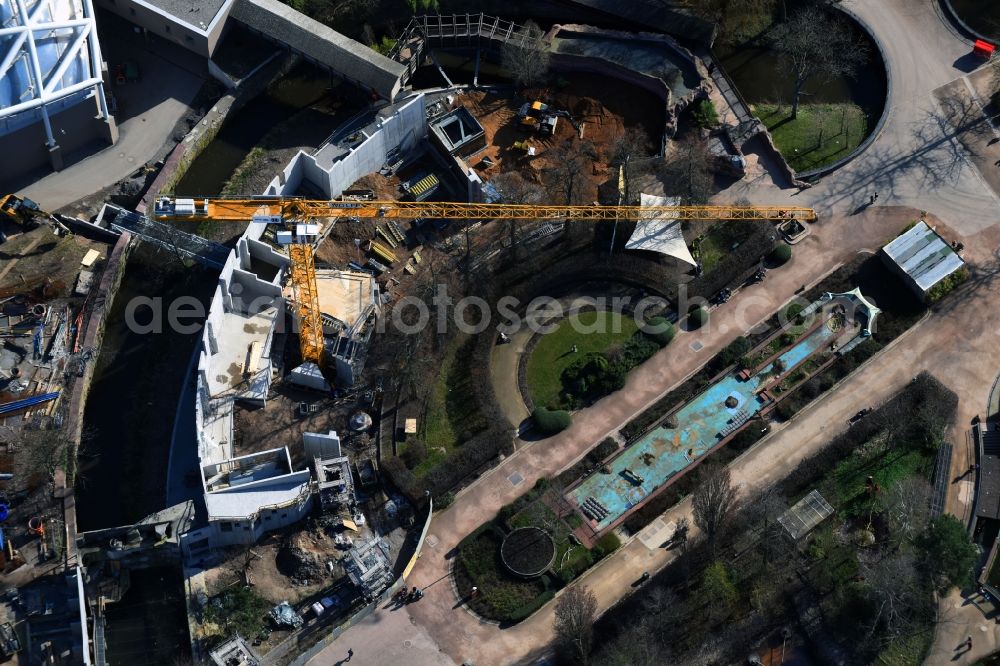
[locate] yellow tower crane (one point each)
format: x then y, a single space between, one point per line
284 210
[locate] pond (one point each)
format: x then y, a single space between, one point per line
149 625
983 16
303 86
755 70
129 416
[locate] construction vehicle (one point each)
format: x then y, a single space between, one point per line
292 210
525 147
542 118
530 115
20 211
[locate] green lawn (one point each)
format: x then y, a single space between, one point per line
822 134
553 353
449 414
885 463
719 241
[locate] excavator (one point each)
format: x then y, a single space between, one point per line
20 211
290 210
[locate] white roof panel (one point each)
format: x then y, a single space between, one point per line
658 234
923 255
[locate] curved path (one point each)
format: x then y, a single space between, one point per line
915 164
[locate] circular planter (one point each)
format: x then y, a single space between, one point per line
528 552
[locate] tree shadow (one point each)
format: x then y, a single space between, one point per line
967 62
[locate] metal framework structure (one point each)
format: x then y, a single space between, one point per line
275 209
307 302
279 210
29 31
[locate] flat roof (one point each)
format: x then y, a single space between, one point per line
923 255
988 486
242 501
198 13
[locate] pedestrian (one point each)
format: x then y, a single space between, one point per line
875 197
871 200
574 349
968 643
711 68
475 592
350 654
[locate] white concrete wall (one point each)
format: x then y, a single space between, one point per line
404 129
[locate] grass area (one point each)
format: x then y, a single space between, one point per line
238 610
450 417
721 239
248 168
821 135
885 463
599 332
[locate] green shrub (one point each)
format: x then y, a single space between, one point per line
948 284
698 318
660 331
414 453
704 114
606 545
780 255
947 552
603 450
553 421
444 501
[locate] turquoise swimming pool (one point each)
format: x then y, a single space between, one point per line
661 454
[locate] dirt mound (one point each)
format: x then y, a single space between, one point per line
301 566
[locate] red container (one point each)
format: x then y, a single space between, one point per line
983 49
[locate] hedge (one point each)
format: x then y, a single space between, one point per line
660 331
551 421
698 318
736 266
780 255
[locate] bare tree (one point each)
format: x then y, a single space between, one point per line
899 595
686 171
575 612
713 502
568 162
630 151
526 56
907 506
514 189
816 45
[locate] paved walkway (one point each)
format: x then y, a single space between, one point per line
916 162
153 106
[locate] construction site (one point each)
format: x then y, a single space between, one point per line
299 437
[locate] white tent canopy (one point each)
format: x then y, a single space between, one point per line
658 234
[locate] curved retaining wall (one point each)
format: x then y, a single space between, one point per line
92 337
960 24
822 171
